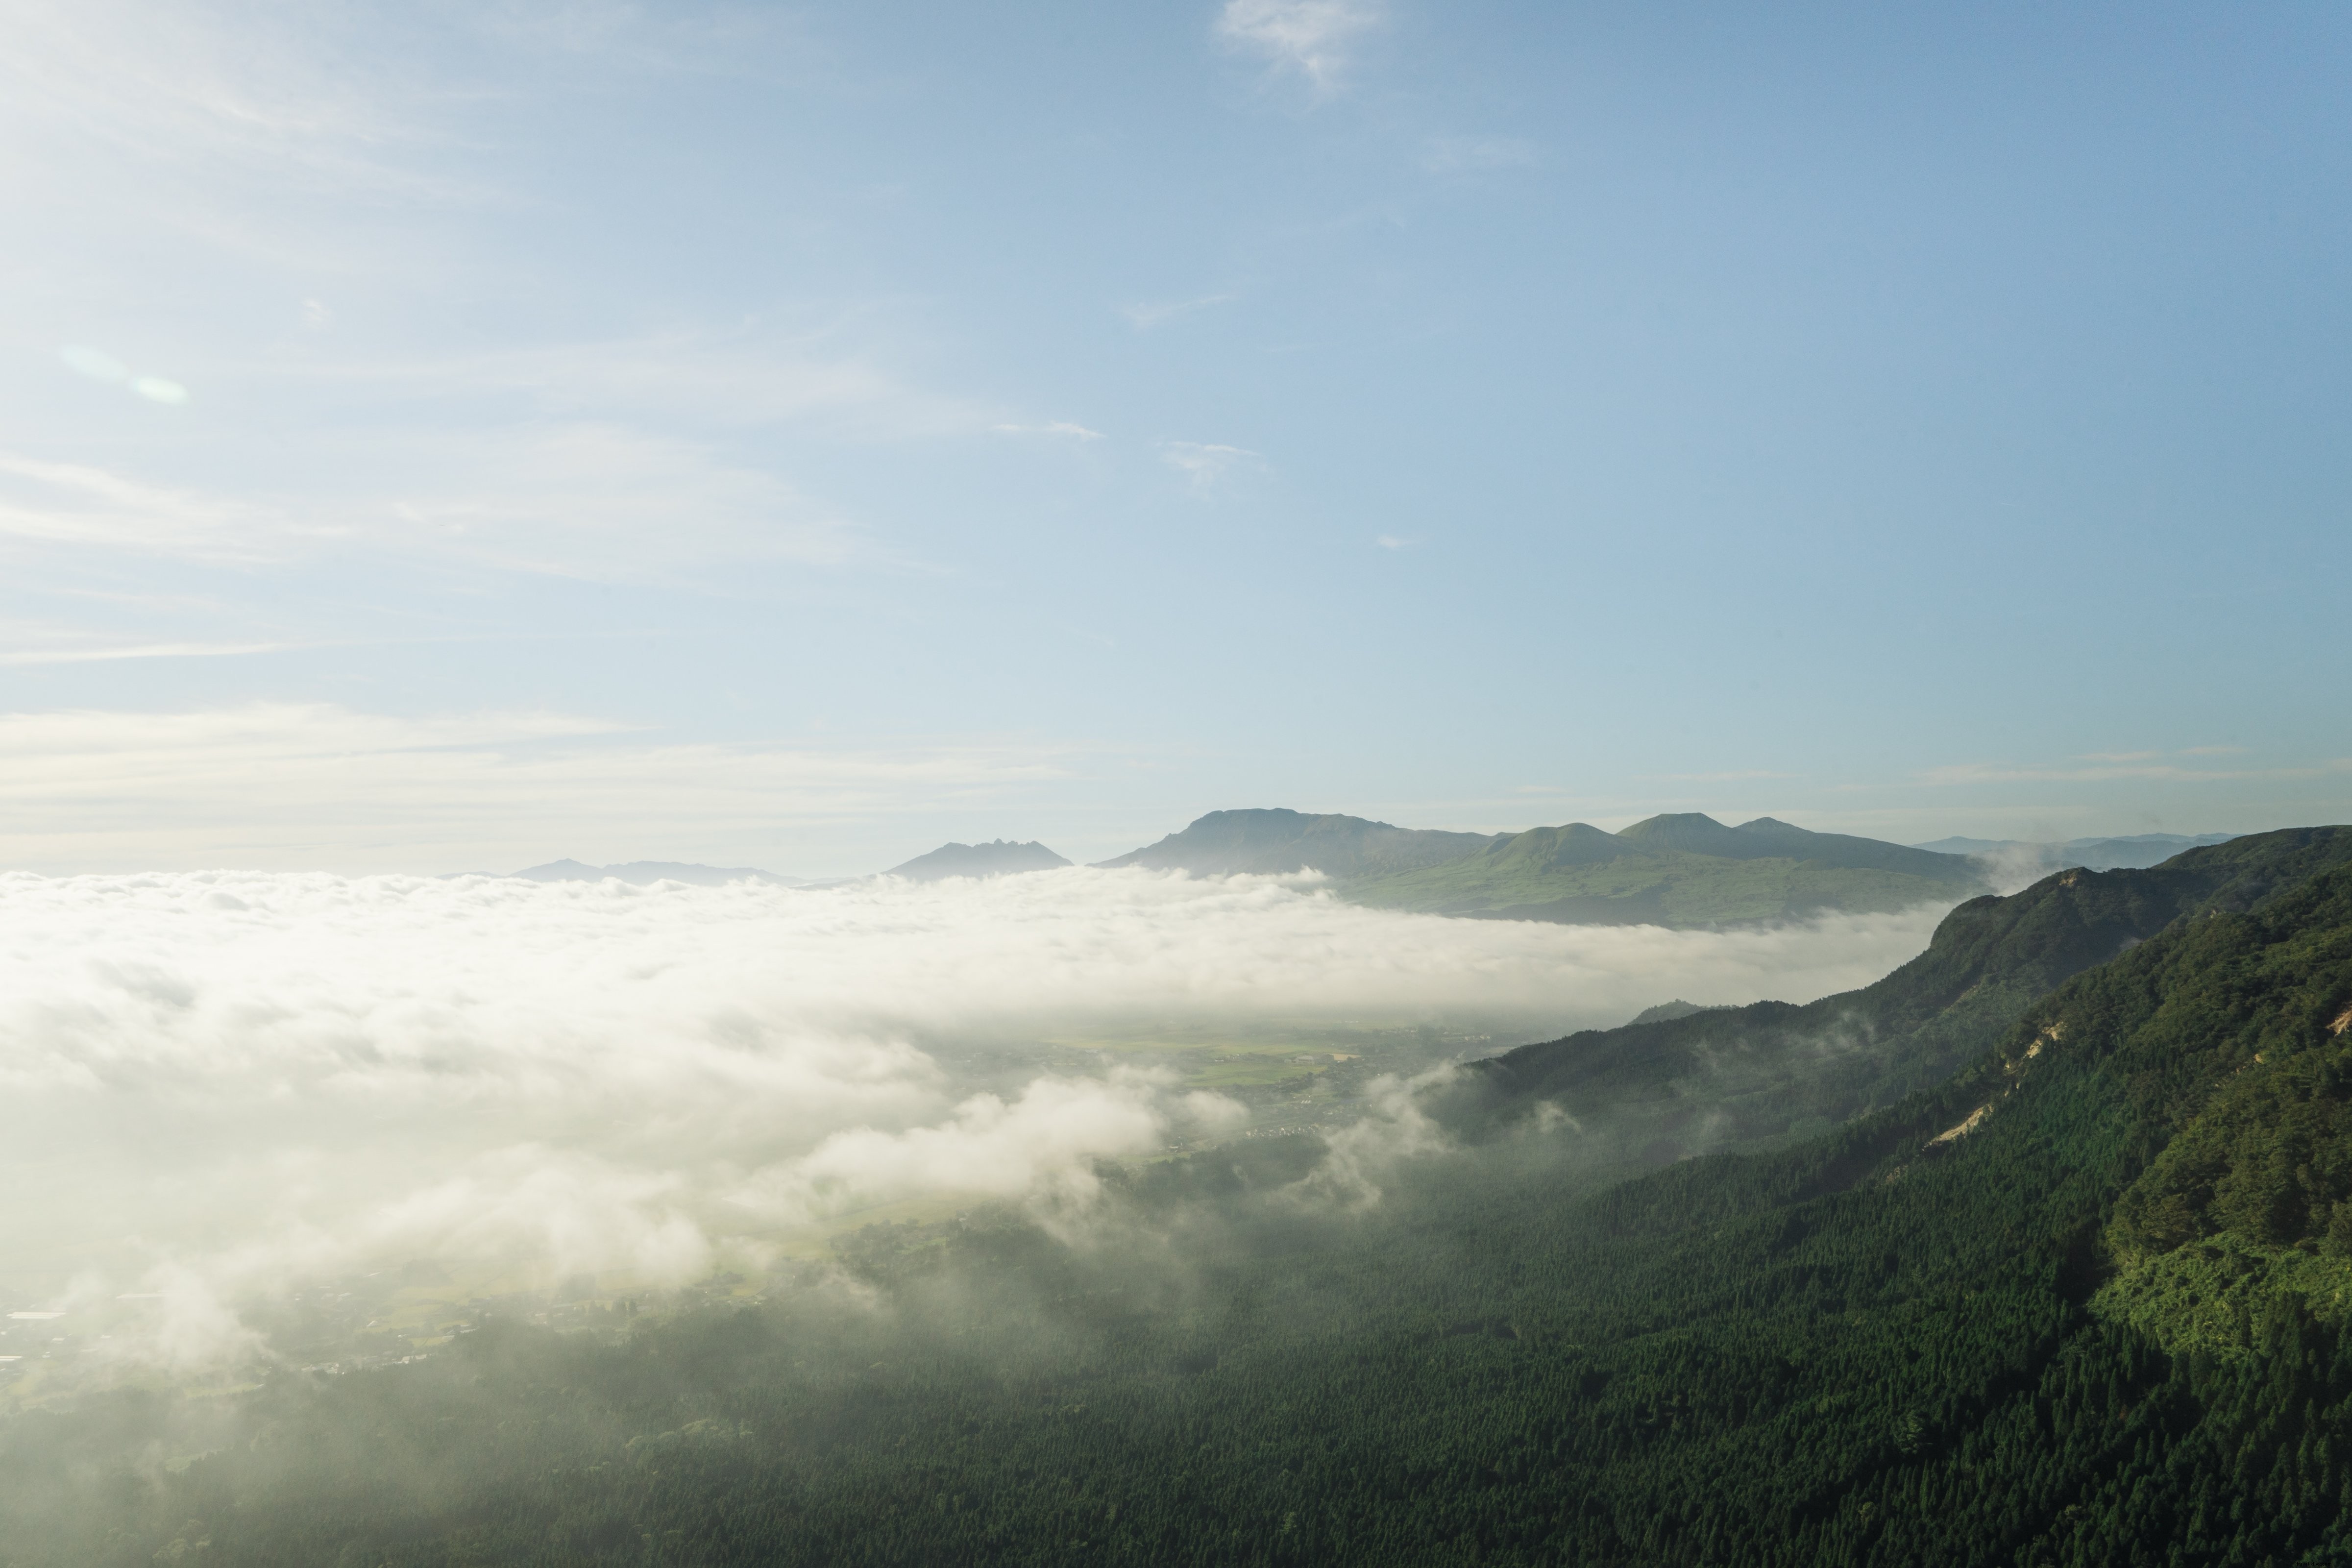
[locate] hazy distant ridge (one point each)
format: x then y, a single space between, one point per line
2125 852
997 857
643 873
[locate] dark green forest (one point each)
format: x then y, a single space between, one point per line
2034 1253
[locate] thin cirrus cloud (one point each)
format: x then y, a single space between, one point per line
1149 314
1062 427
698 379
597 500
1314 38
280 783
1463 155
588 459
102 655
570 458
78 504
2113 767
161 124
575 498
1204 463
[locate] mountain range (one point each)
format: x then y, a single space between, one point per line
1677 870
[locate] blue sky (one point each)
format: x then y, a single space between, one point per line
436 437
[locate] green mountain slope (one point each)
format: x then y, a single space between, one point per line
1940 1335
1761 870
1666 1089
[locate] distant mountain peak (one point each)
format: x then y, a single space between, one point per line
997 857
1672 821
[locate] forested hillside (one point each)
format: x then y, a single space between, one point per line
1655 1092
2081 1302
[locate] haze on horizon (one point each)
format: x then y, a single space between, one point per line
451 439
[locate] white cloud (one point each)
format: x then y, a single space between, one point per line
1204 463
1312 37
263 1076
1393 541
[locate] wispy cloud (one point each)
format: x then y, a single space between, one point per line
668 380
1204 463
138 650
78 504
1463 155
1734 776
147 119
1148 315
573 499
595 501
1312 37
1052 427
271 783
1394 542
2109 767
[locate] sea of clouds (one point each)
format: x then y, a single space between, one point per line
212 1084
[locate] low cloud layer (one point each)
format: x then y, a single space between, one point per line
221 1083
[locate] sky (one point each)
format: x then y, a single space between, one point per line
440 438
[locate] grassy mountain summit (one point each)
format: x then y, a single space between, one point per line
1681 869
